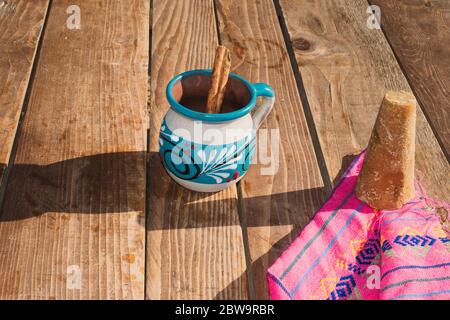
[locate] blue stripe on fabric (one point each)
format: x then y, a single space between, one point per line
399 212
406 219
415 267
310 242
278 282
418 295
401 283
347 223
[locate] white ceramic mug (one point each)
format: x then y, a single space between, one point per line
209 152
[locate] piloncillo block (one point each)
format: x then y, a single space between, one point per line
387 177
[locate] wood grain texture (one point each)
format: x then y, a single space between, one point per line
195 245
72 224
419 33
21 23
346 69
277 205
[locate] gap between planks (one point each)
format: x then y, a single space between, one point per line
407 76
236 32
312 129
4 176
304 99
240 207
147 150
220 270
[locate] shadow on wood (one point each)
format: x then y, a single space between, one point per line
346 161
104 183
2 170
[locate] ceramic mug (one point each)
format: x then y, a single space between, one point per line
210 152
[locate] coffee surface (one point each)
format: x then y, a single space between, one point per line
199 104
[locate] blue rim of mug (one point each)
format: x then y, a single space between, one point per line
256 90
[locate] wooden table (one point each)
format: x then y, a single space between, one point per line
88 211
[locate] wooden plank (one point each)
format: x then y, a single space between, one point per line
195 245
278 205
419 33
21 23
73 221
346 69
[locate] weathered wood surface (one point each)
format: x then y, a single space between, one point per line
21 23
276 205
419 33
195 245
346 69
73 220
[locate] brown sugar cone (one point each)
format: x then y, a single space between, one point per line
386 180
219 79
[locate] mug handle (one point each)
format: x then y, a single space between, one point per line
262 111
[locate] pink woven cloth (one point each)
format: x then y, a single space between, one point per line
351 251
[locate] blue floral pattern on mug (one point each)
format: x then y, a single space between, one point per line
207 164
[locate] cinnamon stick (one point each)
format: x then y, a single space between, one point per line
219 79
